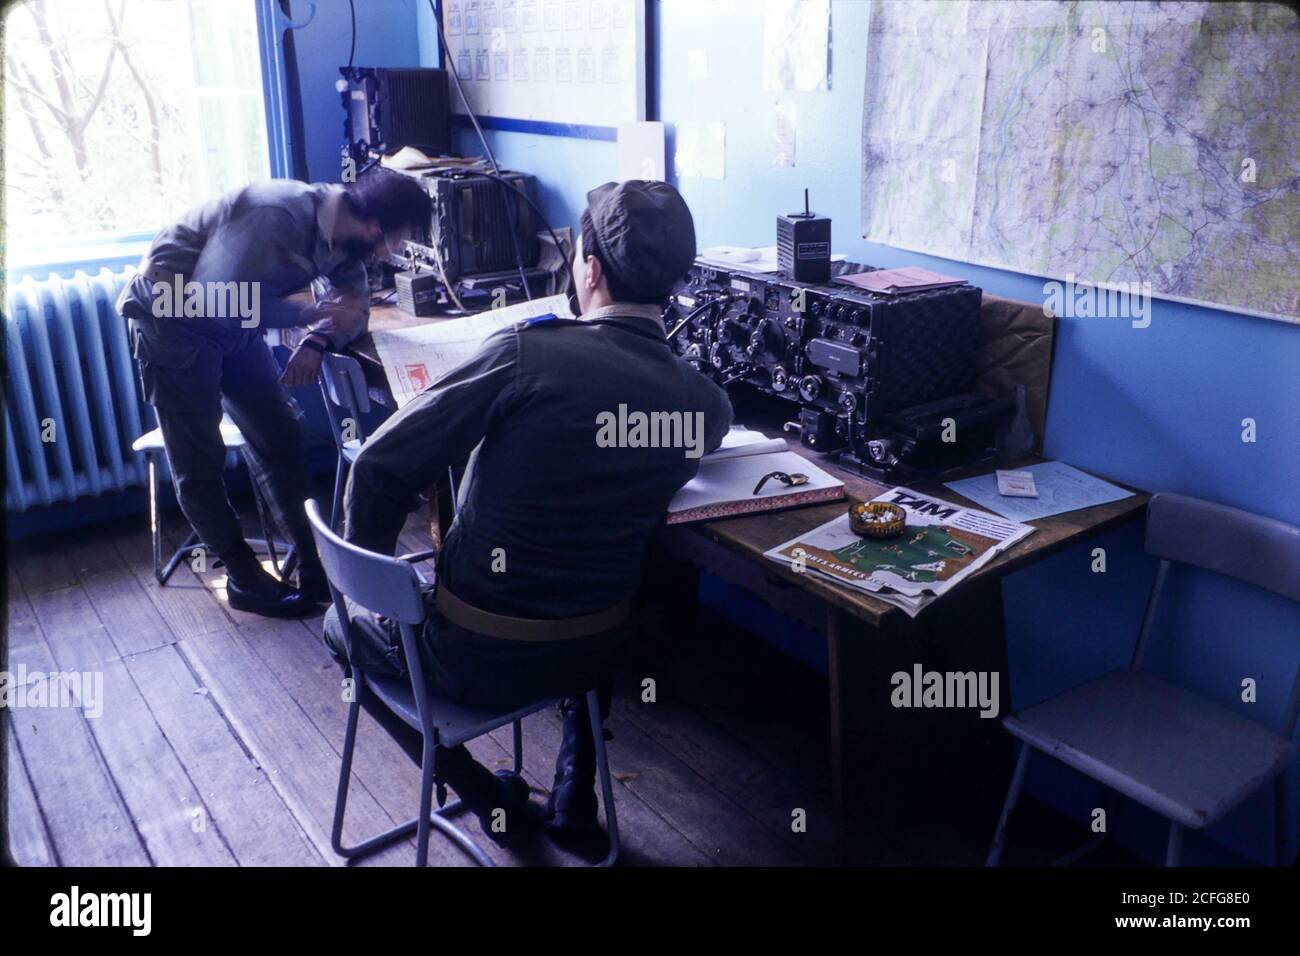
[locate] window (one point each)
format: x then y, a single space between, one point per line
121 114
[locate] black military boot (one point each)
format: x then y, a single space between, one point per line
250 588
572 805
484 793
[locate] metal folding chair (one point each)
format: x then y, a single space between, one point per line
1178 753
150 444
343 386
391 587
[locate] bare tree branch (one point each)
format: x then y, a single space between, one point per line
31 87
151 106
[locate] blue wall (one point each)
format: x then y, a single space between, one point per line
1159 408
386 36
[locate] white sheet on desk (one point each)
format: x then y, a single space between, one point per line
1061 488
739 441
733 479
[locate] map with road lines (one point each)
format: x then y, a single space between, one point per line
1112 142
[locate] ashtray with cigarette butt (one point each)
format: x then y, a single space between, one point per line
877 519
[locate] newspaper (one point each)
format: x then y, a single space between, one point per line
942 544
416 357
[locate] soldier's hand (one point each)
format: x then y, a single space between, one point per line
302 368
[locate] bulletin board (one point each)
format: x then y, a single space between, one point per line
550 63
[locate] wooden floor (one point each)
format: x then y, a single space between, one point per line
220 735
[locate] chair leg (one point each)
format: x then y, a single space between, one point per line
268 530
345 774
1174 852
519 746
340 475
1013 795
155 522
179 555
606 782
418 825
426 804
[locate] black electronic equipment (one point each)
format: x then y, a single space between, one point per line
803 245
421 292
930 442
835 347
477 224
847 357
386 109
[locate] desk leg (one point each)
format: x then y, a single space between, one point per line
839 835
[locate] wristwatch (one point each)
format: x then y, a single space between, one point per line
314 344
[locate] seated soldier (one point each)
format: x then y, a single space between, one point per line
557 505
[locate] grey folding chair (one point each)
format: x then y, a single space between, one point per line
343 386
150 444
391 587
1184 756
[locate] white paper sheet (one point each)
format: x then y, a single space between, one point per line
1061 488
417 357
701 150
783 132
796 44
641 153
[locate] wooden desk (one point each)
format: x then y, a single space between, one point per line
732 550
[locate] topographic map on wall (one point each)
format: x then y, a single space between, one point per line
1115 143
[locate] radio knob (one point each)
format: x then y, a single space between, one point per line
810 387
780 381
848 401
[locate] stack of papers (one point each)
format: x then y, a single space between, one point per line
899 281
724 485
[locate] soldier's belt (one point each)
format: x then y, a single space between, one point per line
527 629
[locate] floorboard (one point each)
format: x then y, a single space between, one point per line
221 733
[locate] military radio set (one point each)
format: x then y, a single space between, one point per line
481 241
875 377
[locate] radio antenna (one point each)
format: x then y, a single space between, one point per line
806 210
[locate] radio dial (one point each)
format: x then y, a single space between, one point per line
780 381
810 387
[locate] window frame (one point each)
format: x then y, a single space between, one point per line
117 250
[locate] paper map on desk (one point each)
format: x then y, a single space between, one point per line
1060 487
941 544
417 357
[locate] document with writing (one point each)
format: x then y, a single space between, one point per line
725 483
415 358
